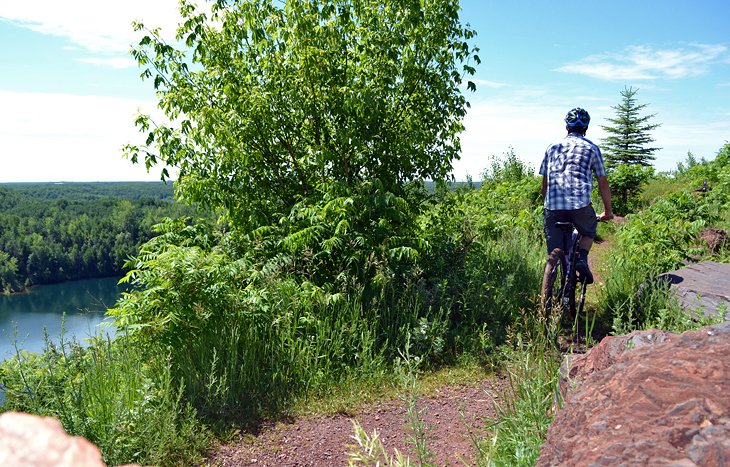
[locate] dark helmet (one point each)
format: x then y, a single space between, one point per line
578 118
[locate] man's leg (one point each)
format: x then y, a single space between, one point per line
585 221
553 235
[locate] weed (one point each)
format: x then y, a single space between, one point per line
523 418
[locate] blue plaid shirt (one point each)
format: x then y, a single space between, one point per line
569 167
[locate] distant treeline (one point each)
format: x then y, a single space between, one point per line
75 191
52 232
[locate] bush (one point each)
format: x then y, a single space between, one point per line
626 184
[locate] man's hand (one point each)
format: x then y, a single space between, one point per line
605 216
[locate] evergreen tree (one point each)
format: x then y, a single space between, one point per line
629 135
628 160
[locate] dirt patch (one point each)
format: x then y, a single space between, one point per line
454 414
714 238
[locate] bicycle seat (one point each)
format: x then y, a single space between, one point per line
565 226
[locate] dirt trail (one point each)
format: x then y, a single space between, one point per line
454 414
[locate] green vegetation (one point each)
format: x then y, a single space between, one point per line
128 407
523 419
306 129
81 191
664 236
55 232
220 343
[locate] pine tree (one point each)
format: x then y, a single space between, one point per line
629 135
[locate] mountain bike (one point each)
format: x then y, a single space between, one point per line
560 280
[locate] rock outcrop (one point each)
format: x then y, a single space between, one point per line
28 440
702 287
649 398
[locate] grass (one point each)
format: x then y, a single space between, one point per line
355 393
107 394
526 411
601 267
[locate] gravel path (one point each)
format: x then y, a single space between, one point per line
453 414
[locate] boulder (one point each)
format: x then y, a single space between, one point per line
29 440
577 367
702 287
646 399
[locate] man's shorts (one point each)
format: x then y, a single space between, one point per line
584 220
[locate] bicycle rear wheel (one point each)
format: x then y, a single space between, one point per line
553 283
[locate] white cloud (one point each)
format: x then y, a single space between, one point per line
525 118
62 137
676 137
647 63
489 84
113 62
493 127
100 27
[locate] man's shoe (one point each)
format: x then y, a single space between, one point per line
584 273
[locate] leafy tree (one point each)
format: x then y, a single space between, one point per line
330 104
507 169
307 126
628 159
8 271
629 135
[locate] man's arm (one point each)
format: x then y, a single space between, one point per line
605 191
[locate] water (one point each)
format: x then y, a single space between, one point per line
84 303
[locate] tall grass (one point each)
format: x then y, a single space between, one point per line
525 411
104 392
251 347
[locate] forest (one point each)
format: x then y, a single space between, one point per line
51 232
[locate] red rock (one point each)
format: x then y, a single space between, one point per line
667 403
28 440
577 367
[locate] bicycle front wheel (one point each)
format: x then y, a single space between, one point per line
553 283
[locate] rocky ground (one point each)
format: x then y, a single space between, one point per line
455 415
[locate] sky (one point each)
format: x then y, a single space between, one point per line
70 91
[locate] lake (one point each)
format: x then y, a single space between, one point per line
84 303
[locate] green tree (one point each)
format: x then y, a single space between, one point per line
285 101
626 182
628 159
629 135
302 123
8 273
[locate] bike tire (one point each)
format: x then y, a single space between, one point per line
572 305
553 283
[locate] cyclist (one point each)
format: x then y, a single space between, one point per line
567 169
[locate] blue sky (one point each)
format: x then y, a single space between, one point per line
69 90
